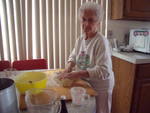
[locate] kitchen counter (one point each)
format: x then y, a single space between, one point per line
87 108
133 57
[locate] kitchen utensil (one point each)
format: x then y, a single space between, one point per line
29 80
79 95
42 101
8 98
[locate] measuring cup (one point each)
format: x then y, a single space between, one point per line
42 101
79 95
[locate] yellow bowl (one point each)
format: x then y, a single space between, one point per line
29 80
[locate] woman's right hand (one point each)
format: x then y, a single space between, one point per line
67 70
69 67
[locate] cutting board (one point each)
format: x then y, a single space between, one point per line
65 91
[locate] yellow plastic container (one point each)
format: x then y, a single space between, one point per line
29 80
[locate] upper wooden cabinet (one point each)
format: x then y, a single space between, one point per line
130 9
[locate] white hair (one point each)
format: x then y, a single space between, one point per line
94 7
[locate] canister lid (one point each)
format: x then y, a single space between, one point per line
5 83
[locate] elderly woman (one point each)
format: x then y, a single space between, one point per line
91 57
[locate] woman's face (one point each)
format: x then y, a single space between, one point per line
89 23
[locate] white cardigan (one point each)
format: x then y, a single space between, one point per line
94 55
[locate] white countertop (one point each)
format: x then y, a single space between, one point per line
133 57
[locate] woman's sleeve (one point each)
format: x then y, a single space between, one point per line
72 56
103 63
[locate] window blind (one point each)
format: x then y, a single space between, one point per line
47 29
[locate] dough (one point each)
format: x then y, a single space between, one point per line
63 82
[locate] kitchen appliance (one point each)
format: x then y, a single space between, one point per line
140 40
8 98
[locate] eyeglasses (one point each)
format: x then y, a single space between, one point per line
90 20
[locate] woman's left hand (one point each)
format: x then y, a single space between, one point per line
74 75
70 75
64 75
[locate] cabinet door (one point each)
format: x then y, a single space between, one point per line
143 71
130 9
138 9
124 81
141 97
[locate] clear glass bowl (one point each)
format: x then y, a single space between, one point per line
42 101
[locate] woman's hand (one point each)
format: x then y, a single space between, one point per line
67 70
66 75
69 67
74 75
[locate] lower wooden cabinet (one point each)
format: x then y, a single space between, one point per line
132 91
141 97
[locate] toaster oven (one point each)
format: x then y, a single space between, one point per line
140 40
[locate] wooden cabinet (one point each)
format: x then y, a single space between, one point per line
132 87
130 9
141 97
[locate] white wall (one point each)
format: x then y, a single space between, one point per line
121 27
